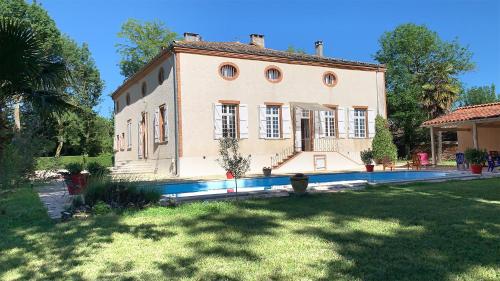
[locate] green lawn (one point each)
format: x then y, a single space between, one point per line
438 231
44 163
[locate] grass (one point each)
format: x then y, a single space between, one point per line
437 231
47 163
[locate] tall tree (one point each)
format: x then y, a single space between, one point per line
478 95
421 79
141 42
27 72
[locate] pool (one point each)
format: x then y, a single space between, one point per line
251 184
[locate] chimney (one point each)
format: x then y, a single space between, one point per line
192 37
257 40
319 48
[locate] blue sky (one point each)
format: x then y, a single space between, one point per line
349 29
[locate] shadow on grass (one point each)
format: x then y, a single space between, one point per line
417 232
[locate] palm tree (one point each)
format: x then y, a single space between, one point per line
27 73
440 91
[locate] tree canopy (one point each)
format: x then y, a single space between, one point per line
141 42
478 95
421 79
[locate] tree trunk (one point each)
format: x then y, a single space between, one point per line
17 115
236 185
59 148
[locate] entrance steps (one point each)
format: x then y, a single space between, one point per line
133 168
304 162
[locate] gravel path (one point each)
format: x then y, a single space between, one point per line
55 197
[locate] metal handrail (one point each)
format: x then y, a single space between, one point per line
280 156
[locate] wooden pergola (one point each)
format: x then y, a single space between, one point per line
467 119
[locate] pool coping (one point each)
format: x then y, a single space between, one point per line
323 187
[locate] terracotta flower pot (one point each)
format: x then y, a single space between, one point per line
369 168
299 183
476 168
229 175
78 184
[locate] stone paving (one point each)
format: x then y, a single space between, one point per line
55 197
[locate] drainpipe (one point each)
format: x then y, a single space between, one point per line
176 118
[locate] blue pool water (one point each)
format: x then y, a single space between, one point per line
267 183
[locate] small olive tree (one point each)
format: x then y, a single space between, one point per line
232 160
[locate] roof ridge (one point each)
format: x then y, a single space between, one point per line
478 105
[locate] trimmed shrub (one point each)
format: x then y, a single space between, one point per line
366 156
119 194
97 170
101 208
74 168
17 163
383 145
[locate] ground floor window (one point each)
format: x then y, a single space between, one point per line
329 123
129 134
273 122
163 124
360 123
229 121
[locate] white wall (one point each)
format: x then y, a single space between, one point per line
201 87
158 155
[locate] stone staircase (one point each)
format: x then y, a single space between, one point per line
128 168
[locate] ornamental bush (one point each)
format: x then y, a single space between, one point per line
383 145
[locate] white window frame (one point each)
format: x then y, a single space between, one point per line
273 122
229 130
330 125
360 122
129 134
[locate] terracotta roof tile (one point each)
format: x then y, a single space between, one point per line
241 48
466 113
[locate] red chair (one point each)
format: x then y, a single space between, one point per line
424 158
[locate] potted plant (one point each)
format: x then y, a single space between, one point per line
299 183
266 171
77 180
367 158
475 157
229 175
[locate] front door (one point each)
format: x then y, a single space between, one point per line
305 131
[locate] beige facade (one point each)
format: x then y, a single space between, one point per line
194 90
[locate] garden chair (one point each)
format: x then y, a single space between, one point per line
387 163
415 162
424 159
460 159
493 160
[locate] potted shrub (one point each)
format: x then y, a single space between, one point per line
77 180
299 183
475 157
266 171
229 175
367 158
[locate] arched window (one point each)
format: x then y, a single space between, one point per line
228 71
161 76
330 79
273 74
143 89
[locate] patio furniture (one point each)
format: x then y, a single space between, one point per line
493 160
424 159
387 163
415 162
460 159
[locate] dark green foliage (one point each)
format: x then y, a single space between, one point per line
382 144
97 170
475 156
74 168
119 194
421 79
53 163
478 95
17 163
366 156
